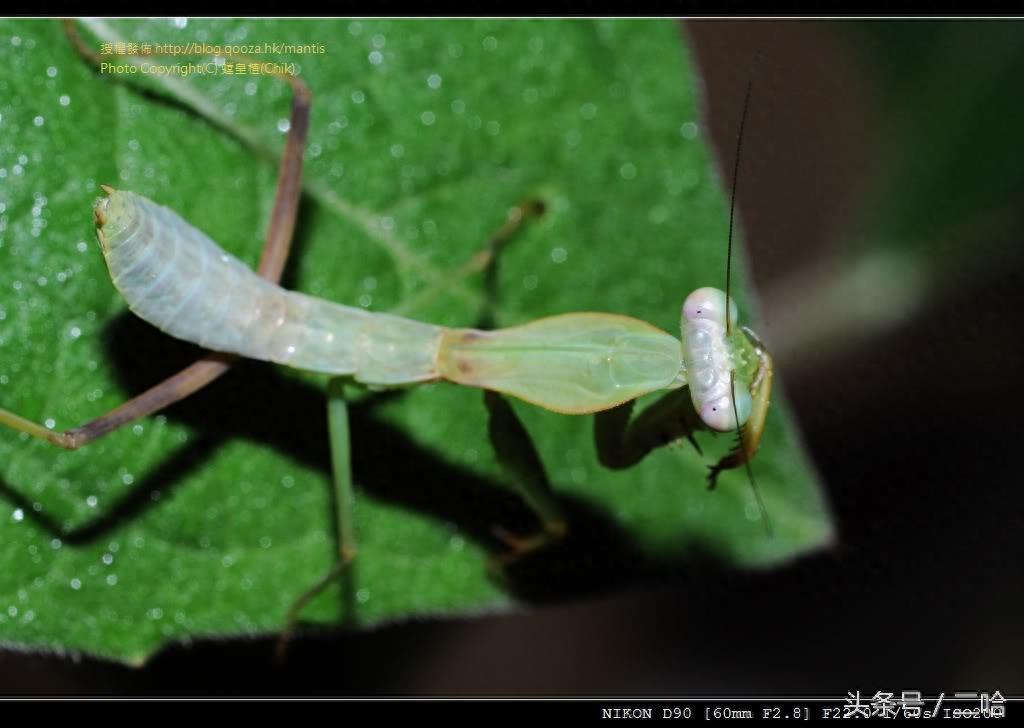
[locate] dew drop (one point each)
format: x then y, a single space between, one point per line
51 71
283 125
64 100
658 214
76 584
39 121
18 515
434 81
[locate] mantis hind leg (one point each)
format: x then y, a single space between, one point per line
272 261
341 469
517 454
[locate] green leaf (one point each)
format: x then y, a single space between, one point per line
211 518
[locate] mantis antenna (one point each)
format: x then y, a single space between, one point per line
728 285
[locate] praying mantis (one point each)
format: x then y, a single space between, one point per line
539 362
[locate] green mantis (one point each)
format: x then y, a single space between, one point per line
633 440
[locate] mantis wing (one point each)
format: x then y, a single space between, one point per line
575 363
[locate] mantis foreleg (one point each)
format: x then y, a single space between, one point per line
623 442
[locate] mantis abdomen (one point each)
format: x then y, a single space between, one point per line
178 279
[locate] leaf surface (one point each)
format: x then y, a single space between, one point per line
212 517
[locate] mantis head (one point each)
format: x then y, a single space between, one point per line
711 355
729 371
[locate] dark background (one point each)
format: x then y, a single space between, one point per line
862 137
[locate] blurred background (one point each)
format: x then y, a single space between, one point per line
880 193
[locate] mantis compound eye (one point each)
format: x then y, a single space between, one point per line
718 414
708 304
